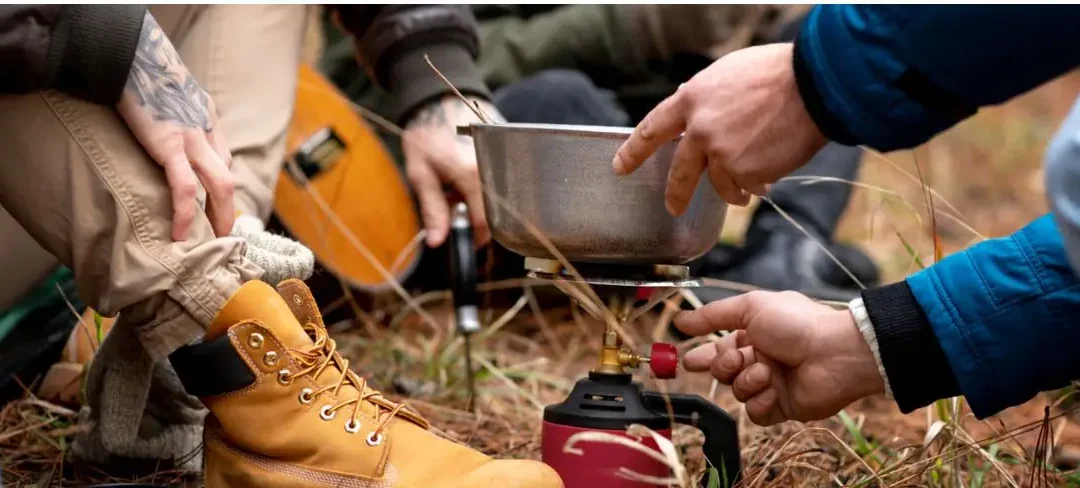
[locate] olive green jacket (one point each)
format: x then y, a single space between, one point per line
518 40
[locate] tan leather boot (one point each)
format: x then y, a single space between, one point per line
285 410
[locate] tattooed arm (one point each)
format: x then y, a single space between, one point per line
436 155
393 44
174 118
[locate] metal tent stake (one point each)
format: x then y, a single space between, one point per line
463 273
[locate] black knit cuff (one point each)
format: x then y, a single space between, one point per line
413 82
92 49
917 369
826 122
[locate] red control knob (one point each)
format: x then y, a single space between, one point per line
664 360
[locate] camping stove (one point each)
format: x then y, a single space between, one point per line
609 401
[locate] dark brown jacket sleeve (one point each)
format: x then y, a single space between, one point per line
84 50
392 40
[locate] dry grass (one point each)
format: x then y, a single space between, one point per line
987 173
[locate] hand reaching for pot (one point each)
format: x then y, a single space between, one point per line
435 155
742 122
787 358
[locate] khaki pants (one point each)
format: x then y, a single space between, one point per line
80 186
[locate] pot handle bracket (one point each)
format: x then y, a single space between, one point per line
721 447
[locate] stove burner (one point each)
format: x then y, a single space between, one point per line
653 276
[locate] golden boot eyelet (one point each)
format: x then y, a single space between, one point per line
306 396
270 358
326 414
373 440
352 426
255 340
283 377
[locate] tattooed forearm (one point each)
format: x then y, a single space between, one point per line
160 82
451 111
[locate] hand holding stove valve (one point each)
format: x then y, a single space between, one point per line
788 357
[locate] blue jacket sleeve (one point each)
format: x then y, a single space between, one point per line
1006 313
893 76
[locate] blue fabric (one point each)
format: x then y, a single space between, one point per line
979 54
1007 314
1006 311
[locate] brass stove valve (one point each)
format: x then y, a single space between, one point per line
663 358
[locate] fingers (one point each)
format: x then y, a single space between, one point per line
725 186
726 367
752 381
218 181
481 231
467 182
434 211
662 124
686 168
763 409
727 314
221 147
700 358
183 185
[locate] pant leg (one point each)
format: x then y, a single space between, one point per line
79 183
24 262
819 206
559 96
137 408
246 57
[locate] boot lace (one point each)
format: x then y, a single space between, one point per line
315 360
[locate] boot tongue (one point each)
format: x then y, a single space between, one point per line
260 302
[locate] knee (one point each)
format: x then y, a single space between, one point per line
560 96
563 82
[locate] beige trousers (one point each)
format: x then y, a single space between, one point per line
77 187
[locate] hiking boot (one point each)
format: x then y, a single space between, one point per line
285 410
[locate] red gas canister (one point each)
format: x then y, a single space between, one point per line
611 403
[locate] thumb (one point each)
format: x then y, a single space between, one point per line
727 314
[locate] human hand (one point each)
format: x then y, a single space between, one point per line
436 155
789 358
743 121
175 120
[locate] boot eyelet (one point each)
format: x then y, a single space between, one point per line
305 396
352 426
270 358
255 340
373 440
283 377
326 414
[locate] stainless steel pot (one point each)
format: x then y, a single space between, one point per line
560 179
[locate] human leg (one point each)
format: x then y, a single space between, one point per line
87 192
559 96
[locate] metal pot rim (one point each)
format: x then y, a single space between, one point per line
597 131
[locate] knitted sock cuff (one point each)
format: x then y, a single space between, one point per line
280 258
